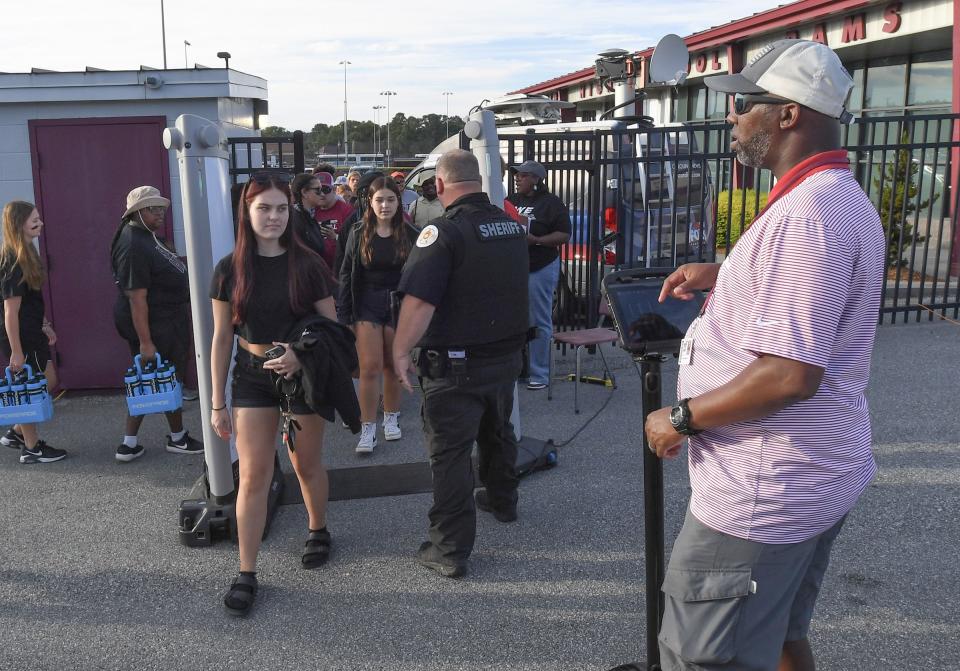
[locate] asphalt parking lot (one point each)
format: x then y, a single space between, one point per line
92 575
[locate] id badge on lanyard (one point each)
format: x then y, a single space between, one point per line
686 345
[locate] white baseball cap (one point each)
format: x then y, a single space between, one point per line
801 71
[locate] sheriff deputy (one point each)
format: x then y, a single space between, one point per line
464 291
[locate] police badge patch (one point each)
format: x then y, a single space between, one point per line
428 236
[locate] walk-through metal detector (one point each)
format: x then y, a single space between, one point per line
202 156
649 331
481 128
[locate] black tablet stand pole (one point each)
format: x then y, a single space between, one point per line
650 400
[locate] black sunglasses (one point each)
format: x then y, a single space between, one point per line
323 189
742 102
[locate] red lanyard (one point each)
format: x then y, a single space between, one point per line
828 160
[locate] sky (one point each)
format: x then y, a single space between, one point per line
478 50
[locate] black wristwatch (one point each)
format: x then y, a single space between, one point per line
680 418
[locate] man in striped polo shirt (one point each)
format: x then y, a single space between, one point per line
772 379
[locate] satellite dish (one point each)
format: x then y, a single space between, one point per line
668 65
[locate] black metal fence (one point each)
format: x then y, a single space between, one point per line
251 154
665 196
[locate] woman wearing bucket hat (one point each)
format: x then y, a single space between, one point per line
25 333
152 312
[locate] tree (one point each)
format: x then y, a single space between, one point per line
409 135
897 203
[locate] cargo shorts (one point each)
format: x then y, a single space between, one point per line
731 603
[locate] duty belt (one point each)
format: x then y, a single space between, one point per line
447 362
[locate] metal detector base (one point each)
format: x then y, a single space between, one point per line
589 379
203 519
533 455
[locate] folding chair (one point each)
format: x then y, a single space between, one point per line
579 339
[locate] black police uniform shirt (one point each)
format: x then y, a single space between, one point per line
31 305
547 214
269 315
496 313
141 261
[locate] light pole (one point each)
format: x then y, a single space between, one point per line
389 119
163 33
346 147
185 62
376 131
447 94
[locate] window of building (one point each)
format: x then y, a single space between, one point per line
855 101
886 85
931 80
698 103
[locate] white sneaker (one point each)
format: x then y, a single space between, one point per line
391 426
368 438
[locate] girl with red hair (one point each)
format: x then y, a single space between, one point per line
267 285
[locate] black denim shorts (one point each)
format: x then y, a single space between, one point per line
253 386
373 305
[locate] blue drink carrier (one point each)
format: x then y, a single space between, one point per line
152 387
24 398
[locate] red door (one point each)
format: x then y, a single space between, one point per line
83 170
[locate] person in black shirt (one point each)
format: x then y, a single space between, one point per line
548 228
270 282
305 190
376 250
152 311
25 334
465 305
360 203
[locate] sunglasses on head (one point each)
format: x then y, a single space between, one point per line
742 102
323 189
263 177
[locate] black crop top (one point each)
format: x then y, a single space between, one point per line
384 269
269 315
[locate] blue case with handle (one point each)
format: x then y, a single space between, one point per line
155 387
24 400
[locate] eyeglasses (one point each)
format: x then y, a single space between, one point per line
156 210
742 102
321 190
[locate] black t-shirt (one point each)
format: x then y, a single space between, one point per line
383 271
269 313
547 214
141 261
31 304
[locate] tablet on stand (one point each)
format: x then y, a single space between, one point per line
650 330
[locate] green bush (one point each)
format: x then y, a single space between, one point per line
738 210
894 212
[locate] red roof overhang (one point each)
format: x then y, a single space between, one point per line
783 17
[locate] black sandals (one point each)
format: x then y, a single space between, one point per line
316 550
239 598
